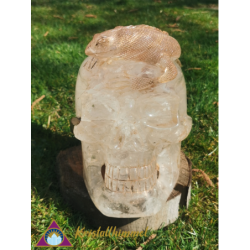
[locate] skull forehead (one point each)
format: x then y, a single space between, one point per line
130 115
129 105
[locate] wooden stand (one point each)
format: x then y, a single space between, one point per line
69 164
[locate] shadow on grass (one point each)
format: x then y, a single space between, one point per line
44 179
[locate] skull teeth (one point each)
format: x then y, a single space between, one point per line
130 179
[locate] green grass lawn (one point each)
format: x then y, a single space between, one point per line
56 58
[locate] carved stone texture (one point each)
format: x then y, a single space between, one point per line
131 99
69 167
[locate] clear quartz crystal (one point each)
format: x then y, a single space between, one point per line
136 134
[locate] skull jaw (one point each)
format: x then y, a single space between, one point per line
144 195
136 205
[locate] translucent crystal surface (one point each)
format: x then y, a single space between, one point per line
133 119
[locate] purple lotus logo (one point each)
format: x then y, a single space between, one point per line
54 237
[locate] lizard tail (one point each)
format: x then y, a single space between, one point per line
170 71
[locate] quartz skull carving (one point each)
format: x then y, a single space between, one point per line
131 98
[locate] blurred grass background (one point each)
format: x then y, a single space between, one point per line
60 32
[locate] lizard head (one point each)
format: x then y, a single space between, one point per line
102 45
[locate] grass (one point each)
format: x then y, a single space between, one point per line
56 58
